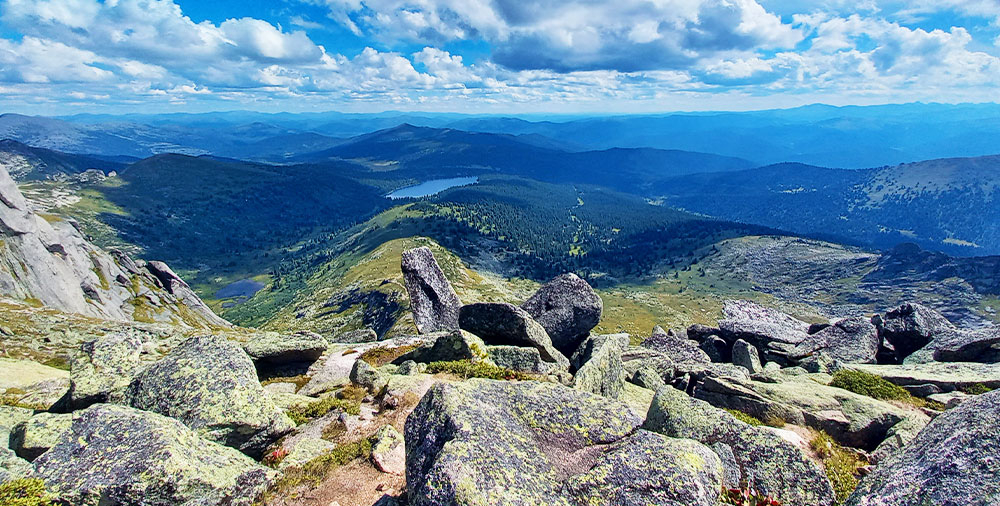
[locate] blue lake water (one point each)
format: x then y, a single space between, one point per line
241 288
431 187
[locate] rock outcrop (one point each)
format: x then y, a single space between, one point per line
678 347
952 462
104 368
567 308
772 332
851 340
210 385
911 327
507 324
598 364
489 442
119 455
432 299
51 263
757 456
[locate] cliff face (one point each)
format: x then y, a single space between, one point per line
49 262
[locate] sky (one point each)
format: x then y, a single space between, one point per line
492 56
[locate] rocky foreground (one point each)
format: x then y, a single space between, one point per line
499 404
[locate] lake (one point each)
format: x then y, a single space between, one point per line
431 187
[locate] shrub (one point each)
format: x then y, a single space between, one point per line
869 384
841 465
275 457
745 418
381 355
352 393
746 496
975 389
314 471
302 413
469 369
24 492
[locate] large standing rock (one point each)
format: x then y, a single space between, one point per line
746 356
910 327
432 299
678 347
960 346
506 324
772 332
598 365
763 459
210 385
119 455
851 340
368 377
103 369
518 443
953 461
568 308
35 436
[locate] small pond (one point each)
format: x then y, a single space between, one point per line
431 187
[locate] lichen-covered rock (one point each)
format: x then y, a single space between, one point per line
456 345
408 368
599 365
12 467
368 377
432 299
953 461
519 358
482 442
678 347
851 340
746 356
103 369
210 385
506 324
948 376
389 451
770 331
119 455
766 461
910 327
277 349
637 357
35 436
30 384
647 468
960 346
648 378
567 308
716 348
356 336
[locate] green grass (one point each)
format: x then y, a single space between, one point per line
975 389
303 413
24 492
841 465
745 418
869 385
314 471
381 355
468 369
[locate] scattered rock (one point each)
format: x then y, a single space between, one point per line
952 461
277 349
567 308
356 336
519 358
432 299
281 388
33 437
483 442
598 364
103 369
770 331
119 455
648 378
947 376
960 346
388 451
408 368
210 385
717 349
368 377
763 459
506 324
12 467
910 327
851 340
637 357
454 345
950 399
678 348
745 355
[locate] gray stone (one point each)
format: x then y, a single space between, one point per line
764 460
368 377
910 327
356 336
950 399
745 355
33 437
851 340
716 348
519 358
103 369
960 346
455 345
491 442
952 462
119 455
599 365
648 378
923 390
210 385
408 368
505 325
567 308
388 451
276 349
637 357
12 467
772 332
947 376
678 348
432 299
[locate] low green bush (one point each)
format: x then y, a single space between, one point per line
302 413
469 369
24 492
745 418
975 389
842 465
869 384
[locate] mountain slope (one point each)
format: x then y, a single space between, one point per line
25 163
948 205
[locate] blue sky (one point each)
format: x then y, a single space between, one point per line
492 56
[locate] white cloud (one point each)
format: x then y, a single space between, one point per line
36 60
